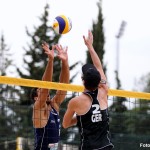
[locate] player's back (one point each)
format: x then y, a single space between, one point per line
94 125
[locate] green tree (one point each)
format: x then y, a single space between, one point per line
35 59
130 127
5 61
118 112
142 109
99 39
139 121
117 80
147 83
143 84
6 93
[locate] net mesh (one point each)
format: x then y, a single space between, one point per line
129 117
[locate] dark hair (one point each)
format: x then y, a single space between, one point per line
91 77
33 94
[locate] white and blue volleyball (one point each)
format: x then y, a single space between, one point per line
62 24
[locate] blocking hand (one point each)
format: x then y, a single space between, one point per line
50 53
62 52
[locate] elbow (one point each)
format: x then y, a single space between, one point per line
64 125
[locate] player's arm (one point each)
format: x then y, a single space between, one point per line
64 75
69 117
103 87
47 76
96 60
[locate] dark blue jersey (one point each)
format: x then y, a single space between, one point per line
49 134
94 126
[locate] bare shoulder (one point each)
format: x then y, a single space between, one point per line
73 102
80 104
79 98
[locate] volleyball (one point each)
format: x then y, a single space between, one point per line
62 24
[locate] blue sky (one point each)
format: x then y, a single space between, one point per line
134 44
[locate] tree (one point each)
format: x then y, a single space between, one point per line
143 84
140 122
99 39
35 59
117 111
147 83
118 80
6 92
5 61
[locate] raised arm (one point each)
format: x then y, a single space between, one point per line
63 56
47 76
103 87
64 75
96 60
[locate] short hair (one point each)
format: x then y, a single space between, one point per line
91 76
33 94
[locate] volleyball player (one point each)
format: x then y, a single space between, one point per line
90 110
46 120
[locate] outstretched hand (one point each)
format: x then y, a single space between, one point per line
62 52
89 40
50 53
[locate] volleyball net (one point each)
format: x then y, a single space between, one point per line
129 115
